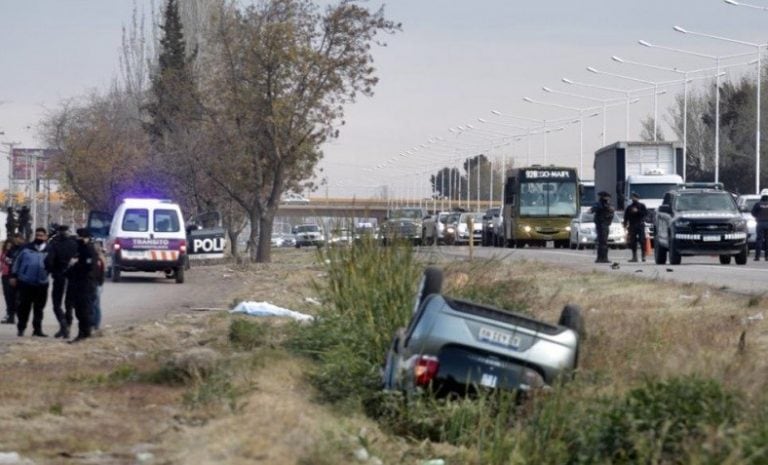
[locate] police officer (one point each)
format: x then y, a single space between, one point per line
634 223
603 213
760 212
62 247
81 283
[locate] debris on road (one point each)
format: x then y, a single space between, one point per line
268 309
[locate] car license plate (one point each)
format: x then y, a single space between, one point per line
710 238
499 337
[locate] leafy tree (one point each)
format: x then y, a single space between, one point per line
646 133
448 182
280 75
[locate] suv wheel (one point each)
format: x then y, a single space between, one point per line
659 253
741 258
725 259
674 257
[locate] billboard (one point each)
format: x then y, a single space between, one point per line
23 163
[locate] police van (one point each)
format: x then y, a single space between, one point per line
146 235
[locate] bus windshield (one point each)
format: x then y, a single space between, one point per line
548 198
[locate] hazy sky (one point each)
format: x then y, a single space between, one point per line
452 63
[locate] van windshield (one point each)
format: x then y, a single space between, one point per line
136 220
166 221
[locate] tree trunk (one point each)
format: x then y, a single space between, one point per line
232 235
264 254
253 238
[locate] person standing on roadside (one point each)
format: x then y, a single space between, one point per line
760 212
81 283
61 248
30 278
11 248
25 223
101 267
603 216
10 223
634 223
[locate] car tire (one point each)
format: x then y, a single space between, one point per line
115 274
431 283
179 274
674 257
571 318
741 257
725 259
659 254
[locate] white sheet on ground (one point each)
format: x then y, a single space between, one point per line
268 309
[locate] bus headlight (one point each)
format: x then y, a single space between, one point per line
527 228
568 228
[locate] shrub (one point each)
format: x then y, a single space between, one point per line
247 335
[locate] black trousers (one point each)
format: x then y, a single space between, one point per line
64 316
602 241
10 294
82 299
31 298
637 237
761 245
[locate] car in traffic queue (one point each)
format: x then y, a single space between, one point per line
489 235
403 224
463 234
452 346
308 235
745 204
451 228
433 228
583 232
283 240
143 235
700 222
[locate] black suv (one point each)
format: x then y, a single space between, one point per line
699 222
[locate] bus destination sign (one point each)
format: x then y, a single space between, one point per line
549 174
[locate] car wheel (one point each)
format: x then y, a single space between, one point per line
431 283
179 273
725 259
741 258
659 254
115 274
674 257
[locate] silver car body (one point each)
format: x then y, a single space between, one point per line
745 203
506 349
463 235
583 232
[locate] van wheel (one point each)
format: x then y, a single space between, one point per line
115 274
179 273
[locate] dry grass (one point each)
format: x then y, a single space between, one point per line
64 404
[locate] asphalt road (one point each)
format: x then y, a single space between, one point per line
142 296
751 278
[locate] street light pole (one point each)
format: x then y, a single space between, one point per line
759 48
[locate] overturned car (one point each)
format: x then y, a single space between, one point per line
453 346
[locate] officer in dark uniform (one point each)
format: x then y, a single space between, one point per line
81 283
10 222
25 223
634 223
62 247
760 212
603 212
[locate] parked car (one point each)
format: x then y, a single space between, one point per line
453 346
283 240
583 233
745 204
700 222
308 235
463 235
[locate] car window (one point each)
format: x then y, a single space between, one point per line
136 220
307 228
166 221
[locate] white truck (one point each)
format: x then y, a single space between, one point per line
648 168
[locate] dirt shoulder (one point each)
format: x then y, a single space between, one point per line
179 391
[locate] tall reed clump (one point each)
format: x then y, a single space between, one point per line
367 294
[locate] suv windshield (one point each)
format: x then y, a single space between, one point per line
705 202
307 228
